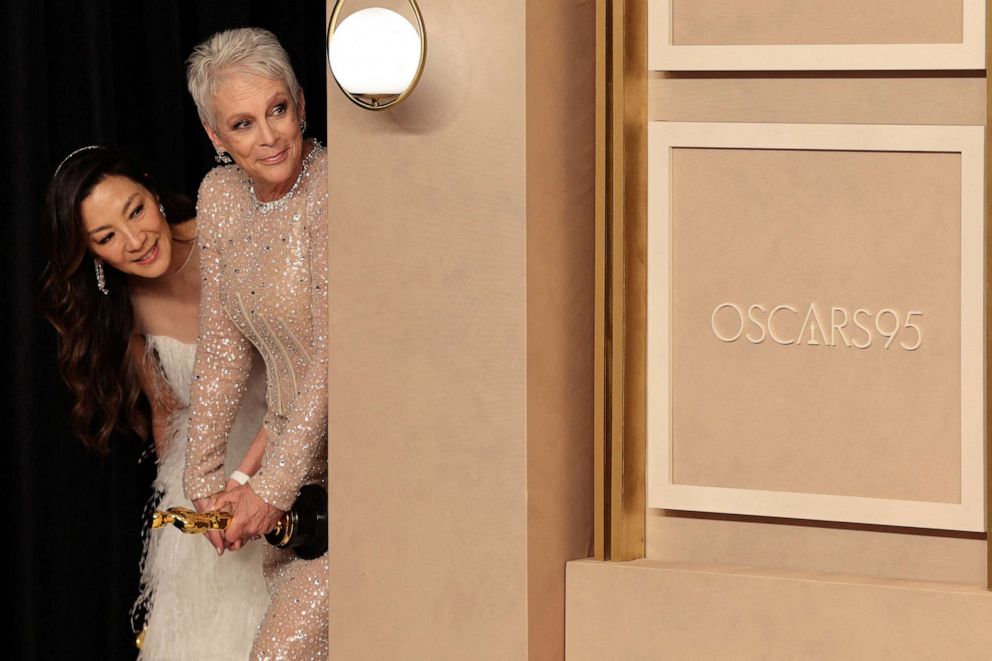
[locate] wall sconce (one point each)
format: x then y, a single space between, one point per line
376 56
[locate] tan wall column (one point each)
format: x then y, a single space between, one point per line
461 340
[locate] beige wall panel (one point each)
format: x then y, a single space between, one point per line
560 281
643 611
857 230
731 22
427 443
818 100
462 331
786 258
805 546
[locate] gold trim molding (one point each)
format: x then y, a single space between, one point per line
988 291
621 292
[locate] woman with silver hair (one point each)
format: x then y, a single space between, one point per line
263 245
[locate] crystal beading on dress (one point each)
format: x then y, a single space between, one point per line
264 283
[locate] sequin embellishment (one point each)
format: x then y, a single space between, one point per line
264 284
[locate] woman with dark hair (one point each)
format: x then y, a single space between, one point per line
122 290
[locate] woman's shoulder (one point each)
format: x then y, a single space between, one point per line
220 180
217 200
185 230
319 163
316 166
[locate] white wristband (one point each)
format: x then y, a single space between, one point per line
240 478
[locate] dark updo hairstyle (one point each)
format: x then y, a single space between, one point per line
95 330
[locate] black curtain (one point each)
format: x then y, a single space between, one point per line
77 73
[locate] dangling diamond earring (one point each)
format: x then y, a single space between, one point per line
101 279
223 157
303 125
161 210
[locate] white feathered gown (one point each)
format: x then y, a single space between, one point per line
201 606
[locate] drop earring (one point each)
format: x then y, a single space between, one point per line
161 210
101 278
303 125
223 157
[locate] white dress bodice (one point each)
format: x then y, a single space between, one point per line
175 360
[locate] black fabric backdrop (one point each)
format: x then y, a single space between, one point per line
76 73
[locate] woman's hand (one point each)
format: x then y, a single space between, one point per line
208 504
230 486
253 517
250 464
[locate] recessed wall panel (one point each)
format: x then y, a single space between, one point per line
815 322
788 22
805 254
754 35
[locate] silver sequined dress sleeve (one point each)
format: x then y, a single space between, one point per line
223 357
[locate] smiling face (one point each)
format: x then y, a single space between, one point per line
258 124
125 228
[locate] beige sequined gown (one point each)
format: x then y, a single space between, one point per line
264 283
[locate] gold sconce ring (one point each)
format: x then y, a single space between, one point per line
377 101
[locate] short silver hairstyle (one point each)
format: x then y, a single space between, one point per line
245 50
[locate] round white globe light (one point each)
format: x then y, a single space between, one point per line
374 51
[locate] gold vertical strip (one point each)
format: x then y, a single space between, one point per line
615 300
634 439
621 115
600 473
988 294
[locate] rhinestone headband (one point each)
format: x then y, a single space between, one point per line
71 154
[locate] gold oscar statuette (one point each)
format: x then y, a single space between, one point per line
303 529
190 521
